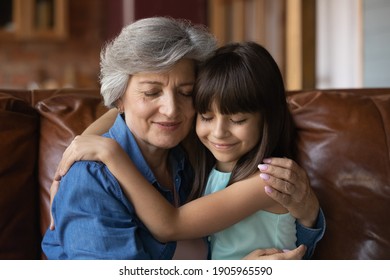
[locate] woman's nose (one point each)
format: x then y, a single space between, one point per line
169 106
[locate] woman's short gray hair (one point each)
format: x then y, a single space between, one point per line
150 45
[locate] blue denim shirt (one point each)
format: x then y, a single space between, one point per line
311 236
93 218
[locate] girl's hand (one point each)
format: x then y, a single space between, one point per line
288 184
83 147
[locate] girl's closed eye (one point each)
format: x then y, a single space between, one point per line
205 117
238 120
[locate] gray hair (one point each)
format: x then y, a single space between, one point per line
150 45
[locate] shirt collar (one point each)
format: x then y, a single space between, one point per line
122 134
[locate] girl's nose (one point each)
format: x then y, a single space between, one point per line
220 128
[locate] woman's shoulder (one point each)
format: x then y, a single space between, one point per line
92 175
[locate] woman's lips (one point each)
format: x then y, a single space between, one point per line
168 125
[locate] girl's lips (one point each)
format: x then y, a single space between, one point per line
221 146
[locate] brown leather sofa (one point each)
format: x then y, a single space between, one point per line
343 137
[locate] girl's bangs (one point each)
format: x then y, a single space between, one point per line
226 87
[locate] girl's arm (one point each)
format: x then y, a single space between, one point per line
197 218
102 124
98 127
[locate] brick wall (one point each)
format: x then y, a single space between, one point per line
73 62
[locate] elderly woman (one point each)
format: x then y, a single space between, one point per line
148 73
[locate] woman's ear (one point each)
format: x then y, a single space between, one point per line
119 106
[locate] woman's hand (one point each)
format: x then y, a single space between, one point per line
83 147
288 184
275 254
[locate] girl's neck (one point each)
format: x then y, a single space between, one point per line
225 166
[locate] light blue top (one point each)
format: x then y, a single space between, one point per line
260 230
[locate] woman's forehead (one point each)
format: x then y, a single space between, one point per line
182 73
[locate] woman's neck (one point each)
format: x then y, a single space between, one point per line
158 161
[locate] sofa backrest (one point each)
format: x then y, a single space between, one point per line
19 207
35 129
344 140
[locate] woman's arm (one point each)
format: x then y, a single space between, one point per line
195 219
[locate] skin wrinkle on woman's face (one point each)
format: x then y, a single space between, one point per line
158 106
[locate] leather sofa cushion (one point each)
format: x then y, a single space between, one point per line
344 140
19 223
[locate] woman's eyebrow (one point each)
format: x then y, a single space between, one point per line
150 82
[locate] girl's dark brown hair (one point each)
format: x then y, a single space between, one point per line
244 78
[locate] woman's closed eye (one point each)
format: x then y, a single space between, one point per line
151 93
186 93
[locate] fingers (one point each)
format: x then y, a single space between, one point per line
69 156
285 176
262 254
275 254
281 198
53 190
285 163
288 171
270 251
65 164
296 254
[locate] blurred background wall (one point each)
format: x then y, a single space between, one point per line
317 43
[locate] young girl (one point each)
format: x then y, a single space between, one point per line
242 119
